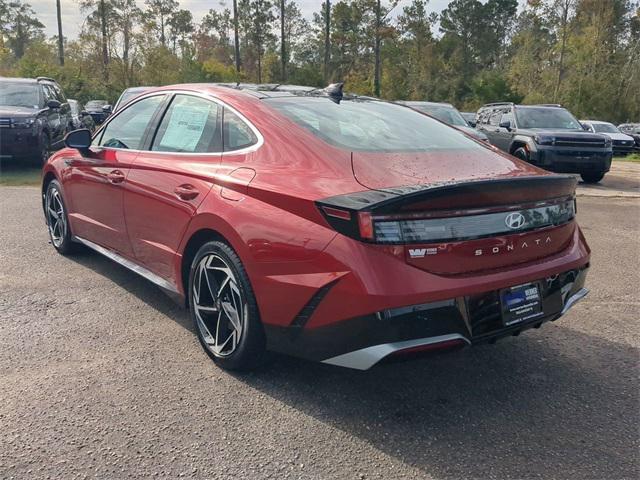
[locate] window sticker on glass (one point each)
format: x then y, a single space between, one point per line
186 126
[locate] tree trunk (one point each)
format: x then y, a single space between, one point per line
163 40
563 43
327 44
236 41
105 52
283 48
60 37
376 73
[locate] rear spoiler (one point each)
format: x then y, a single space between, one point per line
354 214
457 194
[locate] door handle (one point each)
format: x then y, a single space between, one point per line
186 192
115 176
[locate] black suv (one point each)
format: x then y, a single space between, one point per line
547 136
34 118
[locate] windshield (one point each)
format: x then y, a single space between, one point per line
18 94
95 104
546 117
605 128
445 114
372 126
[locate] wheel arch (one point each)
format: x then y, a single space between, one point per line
196 240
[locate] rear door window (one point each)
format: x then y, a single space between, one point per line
190 125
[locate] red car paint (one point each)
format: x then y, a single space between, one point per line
147 206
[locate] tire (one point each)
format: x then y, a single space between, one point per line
594 177
522 154
44 149
57 220
224 310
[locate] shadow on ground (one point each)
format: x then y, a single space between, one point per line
553 403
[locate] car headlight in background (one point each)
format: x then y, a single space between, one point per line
24 123
544 139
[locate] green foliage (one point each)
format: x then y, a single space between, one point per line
584 54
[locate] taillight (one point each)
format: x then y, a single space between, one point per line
410 228
365 225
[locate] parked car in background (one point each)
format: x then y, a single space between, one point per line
447 113
470 118
34 118
333 227
128 95
79 117
99 110
633 130
547 136
622 144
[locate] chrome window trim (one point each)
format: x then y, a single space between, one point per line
252 127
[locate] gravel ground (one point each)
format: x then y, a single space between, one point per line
101 376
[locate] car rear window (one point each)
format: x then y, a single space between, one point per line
371 126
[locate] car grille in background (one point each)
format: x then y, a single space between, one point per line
623 143
5 123
471 226
579 142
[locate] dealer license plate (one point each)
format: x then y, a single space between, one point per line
521 303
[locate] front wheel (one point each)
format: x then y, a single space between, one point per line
224 310
57 219
44 148
594 177
522 154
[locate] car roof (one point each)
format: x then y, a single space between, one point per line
138 89
260 91
18 80
597 122
421 102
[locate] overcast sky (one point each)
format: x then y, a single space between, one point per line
72 17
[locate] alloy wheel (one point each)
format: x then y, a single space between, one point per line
56 218
219 306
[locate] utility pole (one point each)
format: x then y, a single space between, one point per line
105 52
236 40
327 45
60 37
283 48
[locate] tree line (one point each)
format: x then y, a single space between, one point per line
584 54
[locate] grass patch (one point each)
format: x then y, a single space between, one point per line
634 157
20 176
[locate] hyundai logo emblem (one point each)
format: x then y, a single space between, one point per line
515 221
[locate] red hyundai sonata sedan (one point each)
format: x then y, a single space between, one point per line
336 228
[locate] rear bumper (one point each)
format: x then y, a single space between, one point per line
362 342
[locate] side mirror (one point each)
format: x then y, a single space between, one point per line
78 139
506 125
107 109
472 124
53 104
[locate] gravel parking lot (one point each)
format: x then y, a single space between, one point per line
102 376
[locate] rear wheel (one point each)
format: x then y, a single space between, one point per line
57 219
522 154
592 177
224 309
